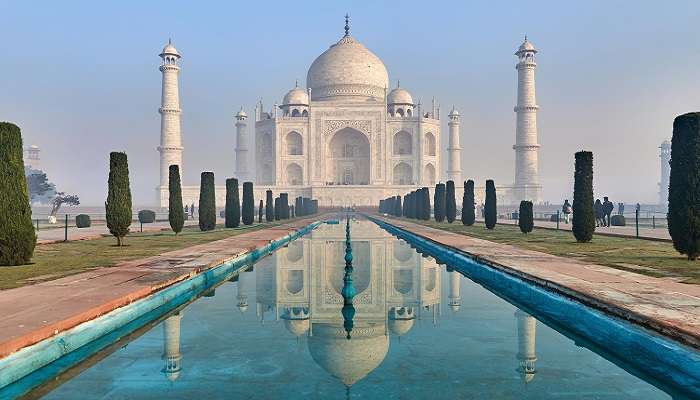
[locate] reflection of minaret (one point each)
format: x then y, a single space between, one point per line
171 346
455 299
526 345
242 296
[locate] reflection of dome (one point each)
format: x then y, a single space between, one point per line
400 326
242 307
455 306
348 360
297 327
399 96
347 68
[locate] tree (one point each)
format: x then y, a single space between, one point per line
525 217
248 203
60 199
583 222
269 207
298 207
176 215
207 202
17 236
38 185
278 214
684 186
233 205
450 202
284 206
468 203
490 209
118 204
425 204
406 205
261 206
439 202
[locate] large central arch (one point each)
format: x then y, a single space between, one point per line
348 161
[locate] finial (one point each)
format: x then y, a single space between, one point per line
296 83
347 25
398 83
526 37
170 40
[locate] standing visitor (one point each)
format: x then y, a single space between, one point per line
598 211
621 208
608 208
566 209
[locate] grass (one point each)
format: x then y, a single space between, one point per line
52 261
652 258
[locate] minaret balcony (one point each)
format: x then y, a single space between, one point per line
526 108
168 110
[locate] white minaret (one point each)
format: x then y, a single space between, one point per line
171 346
665 155
526 345
241 147
454 297
527 184
454 152
170 138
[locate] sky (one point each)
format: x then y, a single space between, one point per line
81 79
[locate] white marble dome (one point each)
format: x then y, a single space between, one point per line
296 97
347 68
526 46
400 96
169 49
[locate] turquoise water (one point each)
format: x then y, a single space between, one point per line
419 331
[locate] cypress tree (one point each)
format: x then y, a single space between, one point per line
439 202
468 203
269 207
284 206
260 211
176 215
684 186
406 205
425 204
118 204
398 210
278 215
291 211
583 222
233 204
525 219
207 202
17 236
248 203
490 209
450 202
416 204
314 206
298 207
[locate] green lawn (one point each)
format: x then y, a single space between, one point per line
52 261
646 257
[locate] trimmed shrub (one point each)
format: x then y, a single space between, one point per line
450 202
232 211
525 221
82 221
426 204
417 204
583 221
439 202
553 218
269 207
261 207
118 204
284 205
278 215
684 186
207 202
248 204
147 216
398 207
468 216
490 208
314 206
17 236
618 220
291 211
176 215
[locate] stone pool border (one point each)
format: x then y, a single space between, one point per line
666 360
23 362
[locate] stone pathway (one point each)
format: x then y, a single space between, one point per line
665 306
660 233
33 313
54 234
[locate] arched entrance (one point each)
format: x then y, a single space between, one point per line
403 174
348 158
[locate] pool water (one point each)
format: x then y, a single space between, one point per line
419 331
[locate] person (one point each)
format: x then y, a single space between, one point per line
566 209
598 211
621 208
608 208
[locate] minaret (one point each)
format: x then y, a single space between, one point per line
455 298
32 158
454 152
526 345
527 185
665 155
170 138
241 147
171 346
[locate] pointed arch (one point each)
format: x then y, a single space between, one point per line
429 175
403 143
429 144
295 174
295 144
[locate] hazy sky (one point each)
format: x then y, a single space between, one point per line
81 79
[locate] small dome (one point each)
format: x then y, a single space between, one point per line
241 114
454 307
297 327
172 376
399 96
400 327
526 46
296 97
243 307
454 113
169 49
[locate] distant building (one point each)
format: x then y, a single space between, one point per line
665 156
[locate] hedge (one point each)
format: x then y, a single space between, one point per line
82 221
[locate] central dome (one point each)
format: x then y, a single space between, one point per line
347 68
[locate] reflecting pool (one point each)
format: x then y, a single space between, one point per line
418 331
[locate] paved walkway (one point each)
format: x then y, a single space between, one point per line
54 234
665 306
627 231
33 313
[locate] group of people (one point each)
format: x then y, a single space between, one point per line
602 210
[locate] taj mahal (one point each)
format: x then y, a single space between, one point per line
347 139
